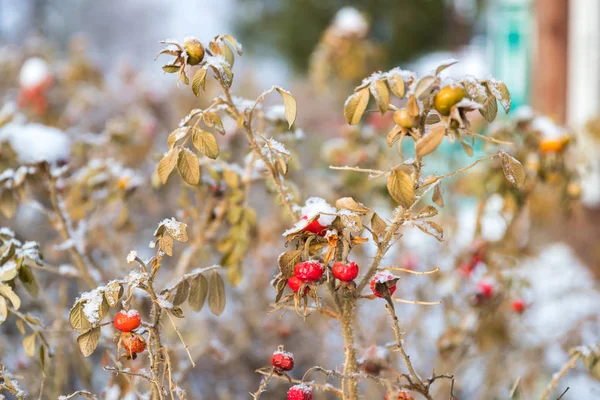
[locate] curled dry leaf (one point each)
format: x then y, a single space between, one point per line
188 167
489 109
205 142
431 228
401 188
88 341
199 81
287 261
167 164
397 133
438 195
381 94
430 141
198 292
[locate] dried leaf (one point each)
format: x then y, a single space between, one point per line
351 221
29 344
432 118
112 293
198 292
412 106
445 65
206 143
397 85
431 228
424 87
181 293
513 170
234 43
438 195
213 120
381 94
401 188
166 245
378 225
290 106
355 106
502 94
397 133
177 135
183 77
171 68
287 261
167 164
489 109
430 141
88 341
7 292
199 81
28 279
231 178
466 146
189 167
349 203
216 294
77 318
177 230
428 212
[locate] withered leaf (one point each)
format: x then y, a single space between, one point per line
112 292
466 146
166 245
431 228
349 203
171 68
502 94
513 170
427 212
381 94
213 120
445 65
401 188
181 293
4 311
7 292
430 141
205 142
198 292
356 105
216 294
199 81
77 318
29 344
351 221
432 118
424 87
28 279
397 86
290 105
438 195
167 164
88 341
287 261
189 167
378 225
397 133
489 109
183 77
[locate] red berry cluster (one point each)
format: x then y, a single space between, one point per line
127 321
477 252
299 392
398 395
305 272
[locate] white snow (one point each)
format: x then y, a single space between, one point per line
317 205
131 256
35 142
350 21
34 72
547 128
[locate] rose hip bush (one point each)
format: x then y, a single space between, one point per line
339 264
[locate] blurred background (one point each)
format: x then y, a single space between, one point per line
101 55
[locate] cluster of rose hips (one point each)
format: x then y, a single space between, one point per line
282 362
486 291
132 342
398 395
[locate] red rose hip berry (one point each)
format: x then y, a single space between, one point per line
345 272
134 344
485 289
518 306
294 283
400 395
315 227
126 321
308 271
299 392
383 278
282 360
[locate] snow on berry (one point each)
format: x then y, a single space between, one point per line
314 206
34 72
380 278
300 392
308 271
34 143
282 360
345 272
126 321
